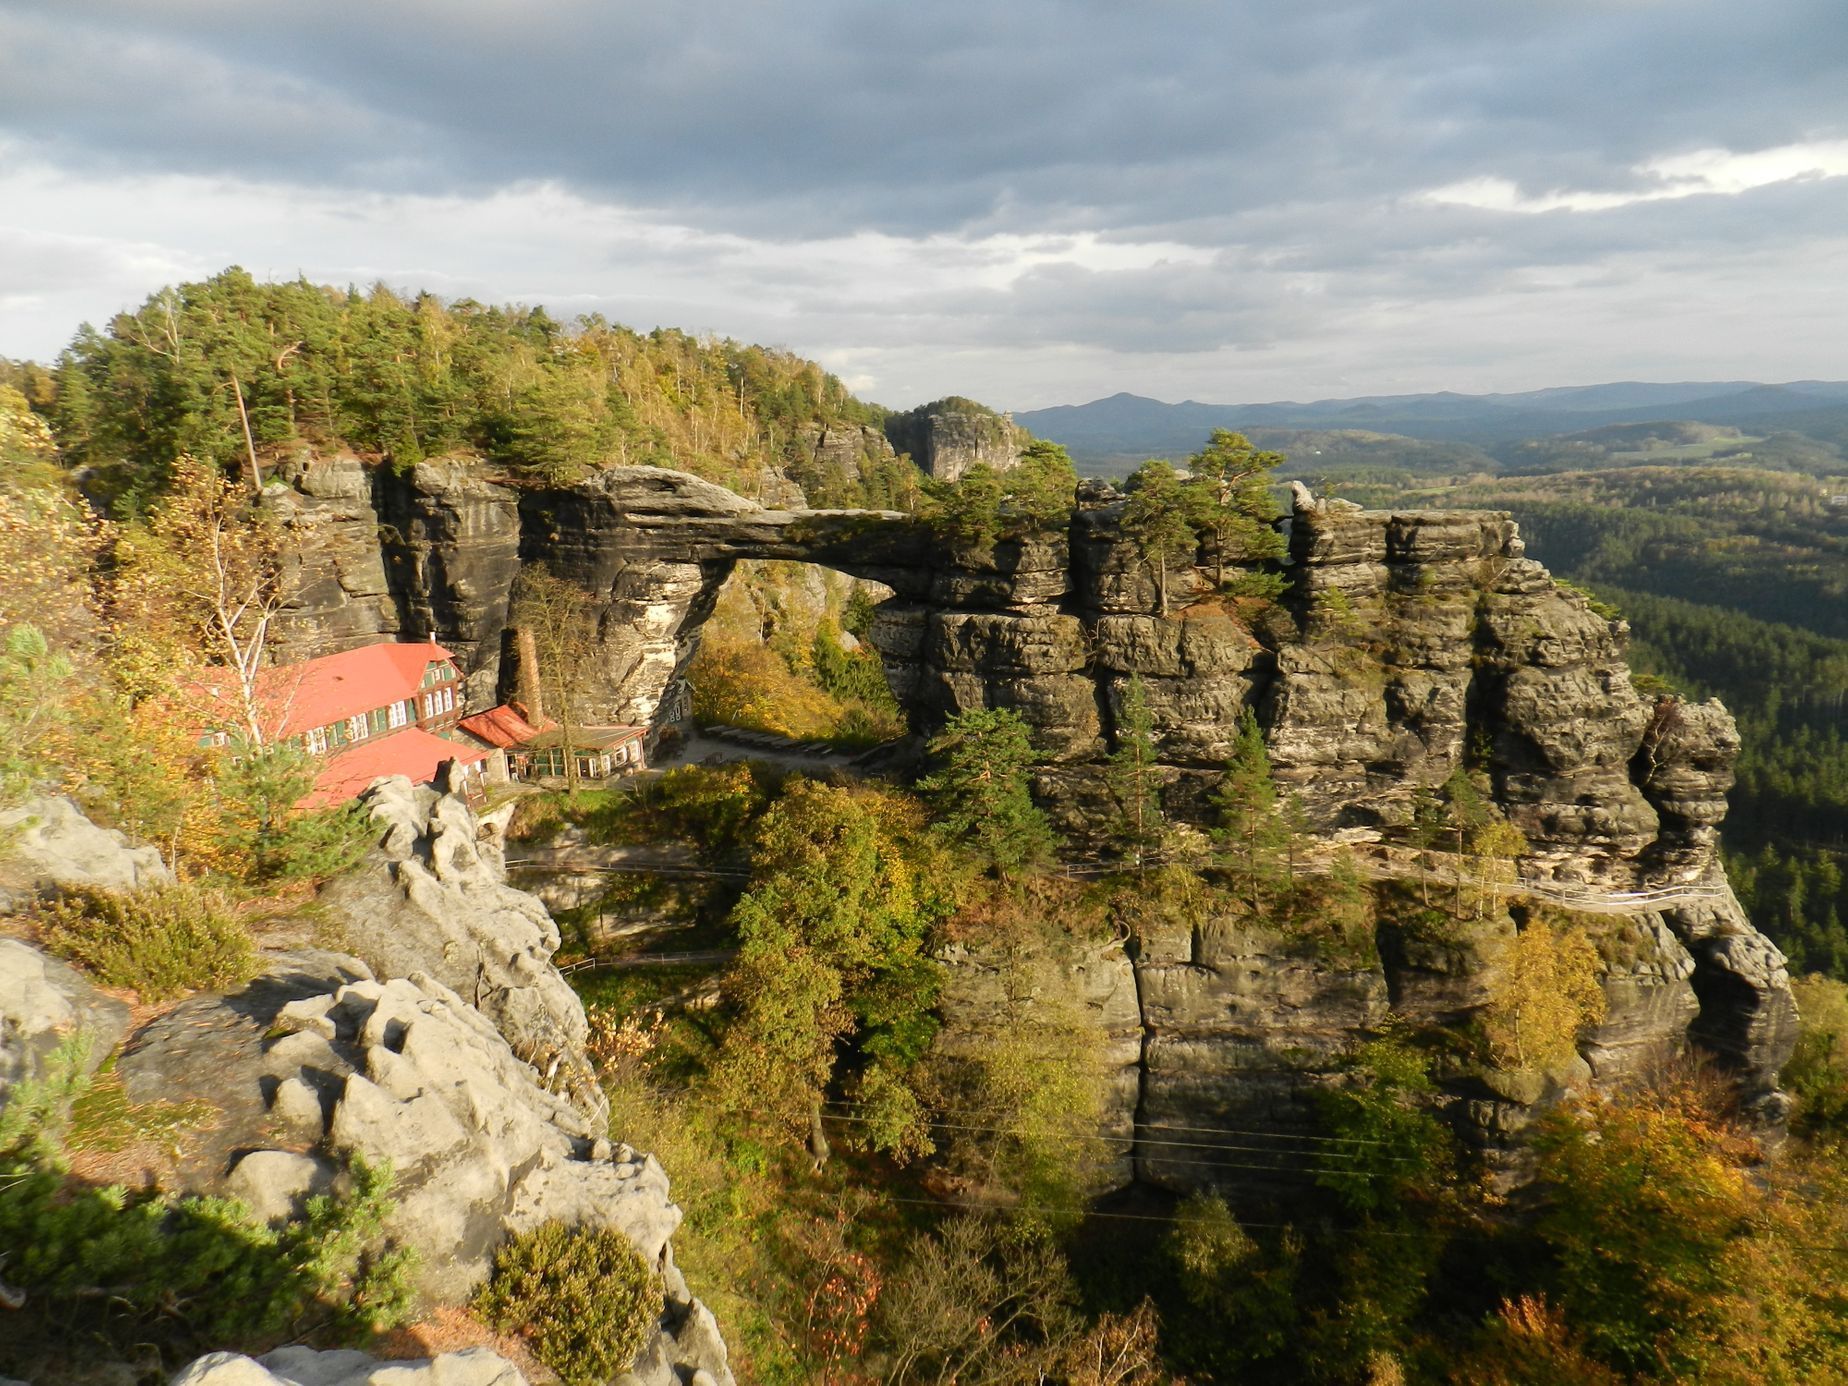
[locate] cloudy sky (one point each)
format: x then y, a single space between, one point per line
1030 201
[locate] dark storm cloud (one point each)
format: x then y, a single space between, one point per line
799 119
1032 187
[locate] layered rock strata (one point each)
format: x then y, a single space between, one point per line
949 437
1403 645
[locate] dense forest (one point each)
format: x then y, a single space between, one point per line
229 370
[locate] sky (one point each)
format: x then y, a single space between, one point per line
1031 202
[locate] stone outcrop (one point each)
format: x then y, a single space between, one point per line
47 845
948 437
1218 1039
43 1002
303 1366
1403 645
335 576
481 1100
835 455
316 1062
432 898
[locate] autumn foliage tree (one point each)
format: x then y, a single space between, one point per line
831 936
1544 997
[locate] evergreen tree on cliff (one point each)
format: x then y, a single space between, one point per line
1156 520
1229 498
1134 776
1251 824
979 792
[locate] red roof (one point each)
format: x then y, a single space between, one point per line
320 692
412 752
504 726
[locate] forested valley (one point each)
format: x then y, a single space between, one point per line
868 1062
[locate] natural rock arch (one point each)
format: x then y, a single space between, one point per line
1406 641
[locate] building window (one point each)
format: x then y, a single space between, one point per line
317 740
449 699
399 713
358 728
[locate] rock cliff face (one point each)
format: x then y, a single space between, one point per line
1403 645
947 438
432 900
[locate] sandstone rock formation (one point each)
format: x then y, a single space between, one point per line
483 1104
1404 644
46 844
302 1366
42 1003
315 1063
948 437
432 898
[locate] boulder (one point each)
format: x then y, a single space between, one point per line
303 1366
46 843
433 900
43 1002
314 1064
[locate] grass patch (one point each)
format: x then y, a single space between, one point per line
103 1120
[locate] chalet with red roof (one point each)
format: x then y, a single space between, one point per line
387 709
537 748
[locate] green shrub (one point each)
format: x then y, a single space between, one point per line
161 941
582 1296
118 1272
264 836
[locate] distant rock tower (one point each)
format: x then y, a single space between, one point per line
947 437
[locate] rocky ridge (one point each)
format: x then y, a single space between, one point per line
1404 644
300 1366
320 1061
948 437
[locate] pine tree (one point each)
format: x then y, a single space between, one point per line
1250 822
1466 810
1133 775
980 793
1155 519
1229 497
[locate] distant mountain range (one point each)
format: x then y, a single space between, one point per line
1127 426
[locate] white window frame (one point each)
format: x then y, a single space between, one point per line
396 716
317 741
359 727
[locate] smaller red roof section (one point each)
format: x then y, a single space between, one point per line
505 726
412 752
320 692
